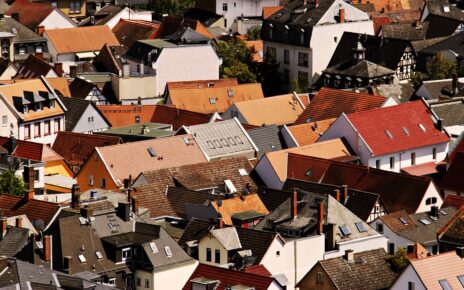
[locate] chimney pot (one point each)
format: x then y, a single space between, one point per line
29 177
434 211
47 248
75 196
135 205
341 15
320 219
294 207
345 193
3 227
19 222
349 255
73 71
220 223
59 69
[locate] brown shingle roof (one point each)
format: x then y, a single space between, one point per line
129 31
30 14
125 115
453 178
309 133
32 68
331 103
177 117
91 38
210 100
453 230
201 84
453 200
393 221
34 209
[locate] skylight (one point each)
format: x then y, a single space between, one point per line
212 101
168 251
345 230
403 220
152 152
99 255
389 134
445 284
81 258
446 8
242 172
425 221
361 227
82 220
153 247
461 280
422 127
443 212
406 131
186 140
230 93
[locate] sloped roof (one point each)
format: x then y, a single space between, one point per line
76 108
369 270
309 133
31 150
125 115
31 13
437 7
419 252
80 88
76 147
23 33
237 205
331 103
406 31
453 43
201 84
393 221
228 277
258 270
177 117
451 112
33 67
14 241
268 11
34 209
359 69
373 125
129 31
452 231
91 38
453 177
453 200
60 86
267 139
278 110
438 267
127 159
214 99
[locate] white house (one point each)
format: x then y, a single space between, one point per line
31 110
184 56
393 138
83 116
304 35
125 13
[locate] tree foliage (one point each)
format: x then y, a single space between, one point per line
11 184
399 261
416 79
163 7
254 33
440 68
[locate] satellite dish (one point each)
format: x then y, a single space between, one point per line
38 224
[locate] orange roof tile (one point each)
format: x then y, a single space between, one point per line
268 11
309 133
258 47
421 169
379 21
419 252
201 84
124 115
278 110
60 85
210 100
81 39
235 205
393 221
127 159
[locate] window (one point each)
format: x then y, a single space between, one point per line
4 120
36 176
434 153
225 22
99 255
392 162
57 125
47 127
126 254
377 163
27 132
224 7
112 281
303 59
75 6
90 179
271 51
217 256
147 283
391 248
302 37
411 286
303 79
90 119
379 228
52 104
81 258
208 254
168 252
138 281
345 230
37 130
320 278
286 56
22 50
361 228
25 109
413 158
445 284
137 119
277 253
54 4
39 49
103 183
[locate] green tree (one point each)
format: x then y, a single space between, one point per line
416 79
268 74
440 68
163 7
254 33
236 60
399 261
240 71
11 184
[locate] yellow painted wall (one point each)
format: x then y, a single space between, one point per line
64 5
58 167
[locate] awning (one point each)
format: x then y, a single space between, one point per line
89 54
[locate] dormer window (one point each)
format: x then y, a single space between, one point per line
271 28
38 106
302 37
26 109
52 104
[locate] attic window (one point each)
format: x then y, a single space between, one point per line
99 255
239 141
406 131
446 8
345 231
389 134
230 93
443 212
445 284
152 152
361 227
231 141
81 258
425 221
153 247
242 172
422 127
168 251
403 220
212 101
210 144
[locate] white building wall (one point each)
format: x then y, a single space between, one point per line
11 121
294 258
38 183
397 240
131 88
174 278
57 20
44 139
432 191
186 63
267 174
359 245
9 73
67 59
212 243
408 275
237 8
130 15
94 124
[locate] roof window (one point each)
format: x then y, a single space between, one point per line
168 251
425 221
422 127
345 230
445 284
152 152
81 258
403 220
361 227
406 131
153 247
99 255
389 134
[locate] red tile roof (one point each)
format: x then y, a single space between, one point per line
124 115
331 103
421 169
228 277
177 117
30 150
373 125
379 21
393 221
33 209
458 147
453 200
30 14
258 270
76 147
453 179
129 31
201 84
268 11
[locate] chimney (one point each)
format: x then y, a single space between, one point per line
15 16
19 222
341 14
29 176
75 196
294 205
142 69
349 255
454 85
86 212
40 30
320 218
337 194
3 227
59 68
460 252
345 193
220 223
125 70
93 194
39 55
123 211
434 211
135 204
47 247
331 236
67 260
410 249
439 125
73 71
12 145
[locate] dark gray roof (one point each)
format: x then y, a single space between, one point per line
187 35
14 241
418 45
406 31
22 32
359 69
267 139
441 89
401 93
452 112
444 9
454 43
205 17
369 270
76 108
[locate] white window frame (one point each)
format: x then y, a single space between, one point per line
126 254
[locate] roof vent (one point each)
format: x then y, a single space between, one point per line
422 127
406 131
152 152
389 134
230 186
230 93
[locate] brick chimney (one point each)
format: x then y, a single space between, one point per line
135 204
19 222
75 196
67 261
345 193
320 218
294 205
40 30
47 246
29 177
434 211
341 14
349 255
59 68
73 71
337 194
220 223
3 227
